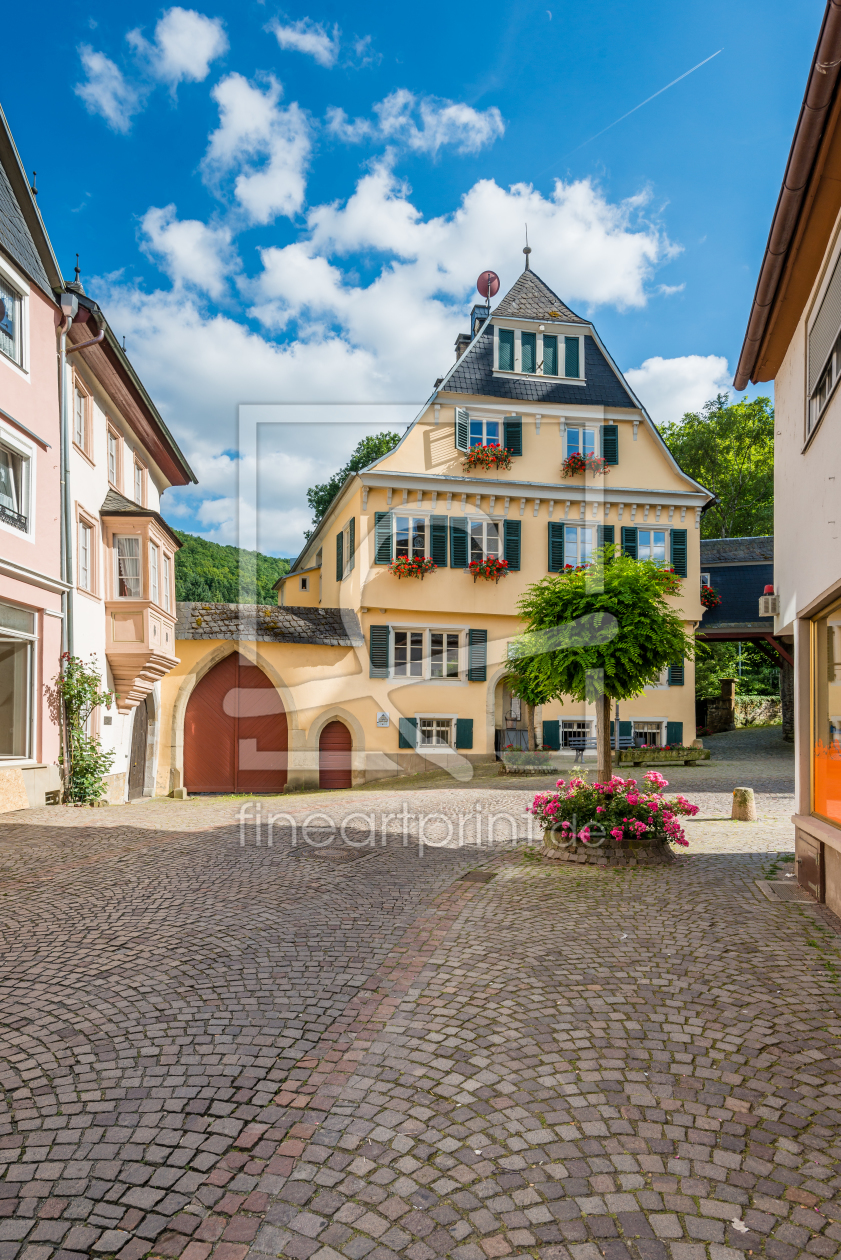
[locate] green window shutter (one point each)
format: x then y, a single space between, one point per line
378 652
511 544
408 732
340 556
552 734
556 546
477 655
458 542
464 732
611 731
571 360
678 551
506 350
629 541
676 675
626 729
382 538
550 356
351 542
512 434
462 429
605 534
610 443
674 732
438 540
528 352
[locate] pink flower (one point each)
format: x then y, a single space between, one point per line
617 833
584 835
600 809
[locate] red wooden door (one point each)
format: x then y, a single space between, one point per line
334 750
235 732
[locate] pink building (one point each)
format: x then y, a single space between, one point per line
31 588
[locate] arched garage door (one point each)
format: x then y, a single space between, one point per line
235 733
334 749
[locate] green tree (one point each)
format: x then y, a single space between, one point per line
729 448
599 634
759 676
209 572
370 448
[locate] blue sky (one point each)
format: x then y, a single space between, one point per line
293 204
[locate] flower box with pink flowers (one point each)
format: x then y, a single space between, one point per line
617 823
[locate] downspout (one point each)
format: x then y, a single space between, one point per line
69 307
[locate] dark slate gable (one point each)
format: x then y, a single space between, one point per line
751 550
530 298
324 627
15 238
474 375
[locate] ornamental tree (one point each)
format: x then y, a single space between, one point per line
600 633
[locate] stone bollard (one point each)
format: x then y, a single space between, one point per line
744 805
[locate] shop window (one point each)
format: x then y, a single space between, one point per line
826 733
17 640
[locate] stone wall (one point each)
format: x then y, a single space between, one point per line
758 710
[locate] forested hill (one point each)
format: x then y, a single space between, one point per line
207 571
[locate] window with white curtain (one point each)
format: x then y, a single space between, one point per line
129 583
154 563
167 601
11 342
85 543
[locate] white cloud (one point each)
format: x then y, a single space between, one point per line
105 91
185 43
422 124
190 252
308 37
268 146
668 388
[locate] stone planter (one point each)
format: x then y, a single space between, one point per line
612 852
662 756
533 770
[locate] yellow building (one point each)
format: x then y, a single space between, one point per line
360 673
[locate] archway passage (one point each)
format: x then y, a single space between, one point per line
334 750
235 731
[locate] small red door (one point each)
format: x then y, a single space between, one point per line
334 749
235 732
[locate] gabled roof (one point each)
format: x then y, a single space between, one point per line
22 233
754 550
473 374
530 298
324 627
116 504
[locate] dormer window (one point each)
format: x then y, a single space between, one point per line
538 353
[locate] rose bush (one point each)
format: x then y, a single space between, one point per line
589 813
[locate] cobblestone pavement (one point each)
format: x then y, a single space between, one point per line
214 1048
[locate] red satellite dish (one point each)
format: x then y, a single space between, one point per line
488 284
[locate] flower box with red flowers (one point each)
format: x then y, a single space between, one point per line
574 465
709 597
417 567
491 456
491 569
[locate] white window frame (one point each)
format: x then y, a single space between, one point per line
485 421
24 451
304 584
167 582
426 674
660 723
142 471
12 277
451 718
139 540
154 572
651 529
572 726
485 522
31 639
408 515
578 526
111 435
572 427
553 330
85 578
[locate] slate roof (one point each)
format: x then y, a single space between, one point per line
15 237
473 374
737 550
530 298
116 504
326 627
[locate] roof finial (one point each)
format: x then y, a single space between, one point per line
78 270
527 250
33 187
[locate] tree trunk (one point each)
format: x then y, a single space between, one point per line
603 750
530 726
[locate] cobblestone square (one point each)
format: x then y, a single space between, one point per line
216 1047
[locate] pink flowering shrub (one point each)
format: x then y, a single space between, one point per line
621 809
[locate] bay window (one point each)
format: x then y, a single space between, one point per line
167 580
127 552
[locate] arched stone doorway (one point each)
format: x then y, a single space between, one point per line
235 731
335 746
